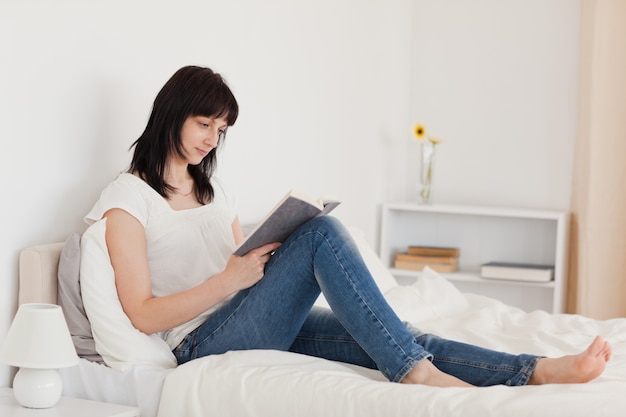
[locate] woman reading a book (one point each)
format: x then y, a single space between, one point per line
171 228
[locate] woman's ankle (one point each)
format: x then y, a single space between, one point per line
425 373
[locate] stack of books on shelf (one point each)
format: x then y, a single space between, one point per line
517 271
437 258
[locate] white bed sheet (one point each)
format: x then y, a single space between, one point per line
267 383
139 386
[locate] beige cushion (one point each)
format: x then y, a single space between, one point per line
38 267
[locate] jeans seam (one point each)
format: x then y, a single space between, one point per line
325 338
521 375
481 365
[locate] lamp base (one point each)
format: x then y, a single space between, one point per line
37 388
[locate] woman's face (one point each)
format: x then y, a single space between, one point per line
200 135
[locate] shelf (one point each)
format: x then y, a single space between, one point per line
483 234
477 210
473 278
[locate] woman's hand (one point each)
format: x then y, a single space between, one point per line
245 271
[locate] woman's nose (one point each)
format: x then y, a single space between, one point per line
212 137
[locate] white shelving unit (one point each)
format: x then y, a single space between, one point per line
484 234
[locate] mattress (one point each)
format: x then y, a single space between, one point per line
139 386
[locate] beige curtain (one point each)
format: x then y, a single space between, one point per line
597 279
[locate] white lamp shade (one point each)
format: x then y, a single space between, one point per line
39 338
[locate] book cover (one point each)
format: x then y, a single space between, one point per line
433 251
291 212
517 271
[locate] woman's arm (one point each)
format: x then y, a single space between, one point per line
237 231
126 242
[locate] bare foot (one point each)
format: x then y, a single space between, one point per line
425 373
570 369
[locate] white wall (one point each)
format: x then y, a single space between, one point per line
328 90
498 81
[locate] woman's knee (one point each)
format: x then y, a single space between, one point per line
328 224
308 238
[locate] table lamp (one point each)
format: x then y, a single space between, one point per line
38 342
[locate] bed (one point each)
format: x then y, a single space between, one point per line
270 383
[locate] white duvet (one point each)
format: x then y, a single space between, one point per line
276 384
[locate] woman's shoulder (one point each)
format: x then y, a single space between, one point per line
130 179
131 183
126 191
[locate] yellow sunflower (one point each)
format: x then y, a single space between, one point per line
419 131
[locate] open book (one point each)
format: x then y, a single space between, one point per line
291 212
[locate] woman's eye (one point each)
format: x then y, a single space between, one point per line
204 124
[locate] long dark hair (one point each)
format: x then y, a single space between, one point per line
191 91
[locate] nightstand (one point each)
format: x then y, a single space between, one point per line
66 407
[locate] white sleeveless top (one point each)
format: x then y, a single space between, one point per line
185 247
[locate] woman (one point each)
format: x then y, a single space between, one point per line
171 229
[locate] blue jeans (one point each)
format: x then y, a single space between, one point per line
276 313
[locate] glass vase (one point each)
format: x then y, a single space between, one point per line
427 157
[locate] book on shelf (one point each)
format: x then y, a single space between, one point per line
441 261
291 212
427 258
433 251
517 271
418 266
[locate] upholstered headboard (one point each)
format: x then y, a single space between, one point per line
38 269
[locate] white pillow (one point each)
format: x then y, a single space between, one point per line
120 344
381 274
431 297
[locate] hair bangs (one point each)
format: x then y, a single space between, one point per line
216 101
